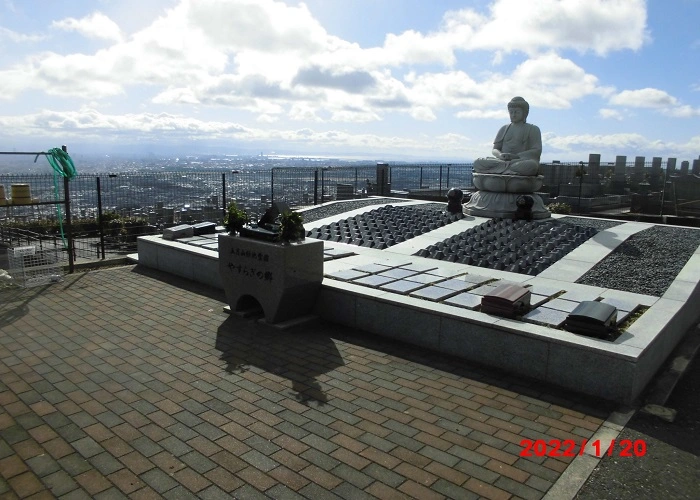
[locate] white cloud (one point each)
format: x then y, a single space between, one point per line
684 111
644 98
96 25
15 37
611 145
610 114
600 26
500 114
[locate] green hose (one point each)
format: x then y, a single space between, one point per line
62 165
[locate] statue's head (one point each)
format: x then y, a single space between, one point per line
519 102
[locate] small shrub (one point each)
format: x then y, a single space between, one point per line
291 227
559 208
235 218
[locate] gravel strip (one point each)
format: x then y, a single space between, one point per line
599 224
318 213
647 262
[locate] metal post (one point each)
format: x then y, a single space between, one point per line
99 217
420 181
316 187
440 189
354 193
223 191
580 186
66 192
448 178
272 186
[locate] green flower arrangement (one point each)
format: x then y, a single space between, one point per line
235 218
291 227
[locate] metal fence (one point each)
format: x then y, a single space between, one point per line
109 211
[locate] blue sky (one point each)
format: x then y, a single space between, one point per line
379 79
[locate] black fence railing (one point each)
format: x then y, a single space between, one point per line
110 211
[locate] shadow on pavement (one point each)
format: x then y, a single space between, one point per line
183 283
14 302
300 355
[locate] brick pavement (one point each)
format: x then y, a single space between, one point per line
126 382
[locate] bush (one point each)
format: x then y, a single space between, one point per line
235 218
559 208
291 227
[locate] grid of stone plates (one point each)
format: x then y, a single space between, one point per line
549 305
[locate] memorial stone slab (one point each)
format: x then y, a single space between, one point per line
398 273
483 289
466 300
336 253
425 278
562 305
592 175
621 304
639 169
421 268
622 316
347 275
201 242
475 278
545 316
456 284
579 295
537 300
373 281
670 167
402 286
433 292
374 268
446 273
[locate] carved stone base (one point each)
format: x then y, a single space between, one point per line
500 183
502 205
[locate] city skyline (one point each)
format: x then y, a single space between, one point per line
378 80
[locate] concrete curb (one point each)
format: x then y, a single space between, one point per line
580 469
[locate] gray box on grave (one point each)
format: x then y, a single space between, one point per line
181 231
204 228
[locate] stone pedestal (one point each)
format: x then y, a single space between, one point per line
502 205
498 193
283 279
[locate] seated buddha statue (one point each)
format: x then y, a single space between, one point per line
517 147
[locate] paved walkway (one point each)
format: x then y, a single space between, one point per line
126 382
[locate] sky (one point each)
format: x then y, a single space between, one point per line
373 79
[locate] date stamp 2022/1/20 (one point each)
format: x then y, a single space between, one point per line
568 448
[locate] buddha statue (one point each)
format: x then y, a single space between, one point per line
517 147
512 171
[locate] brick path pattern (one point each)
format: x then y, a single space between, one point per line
129 383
